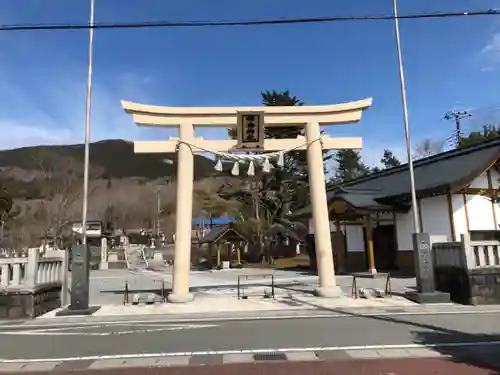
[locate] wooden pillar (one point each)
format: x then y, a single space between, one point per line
238 255
466 209
449 202
218 255
341 249
490 188
369 243
395 262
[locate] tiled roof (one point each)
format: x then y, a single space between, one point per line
439 172
217 232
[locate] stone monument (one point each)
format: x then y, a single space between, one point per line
80 283
424 271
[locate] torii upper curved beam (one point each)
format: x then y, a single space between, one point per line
335 114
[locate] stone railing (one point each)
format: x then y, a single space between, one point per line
32 271
468 270
482 254
449 254
467 254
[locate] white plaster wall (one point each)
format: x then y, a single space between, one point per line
435 217
459 217
312 229
354 238
480 212
495 181
353 233
495 176
497 213
480 182
404 230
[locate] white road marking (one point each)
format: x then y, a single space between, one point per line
253 351
58 331
103 325
59 321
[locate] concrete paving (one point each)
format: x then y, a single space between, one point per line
107 286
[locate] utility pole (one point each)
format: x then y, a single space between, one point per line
88 105
457 116
414 206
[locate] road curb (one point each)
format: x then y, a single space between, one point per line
181 319
153 360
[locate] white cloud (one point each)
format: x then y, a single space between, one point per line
42 95
372 152
29 123
51 110
493 47
18 135
490 54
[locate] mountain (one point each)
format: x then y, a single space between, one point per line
115 157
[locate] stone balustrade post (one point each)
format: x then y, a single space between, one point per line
32 268
64 279
5 276
16 274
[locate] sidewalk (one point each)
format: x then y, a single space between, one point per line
220 302
215 304
138 317
107 286
417 360
161 313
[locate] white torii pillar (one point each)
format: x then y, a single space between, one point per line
186 118
184 217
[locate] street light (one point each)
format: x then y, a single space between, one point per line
88 103
414 206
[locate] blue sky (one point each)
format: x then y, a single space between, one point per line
449 64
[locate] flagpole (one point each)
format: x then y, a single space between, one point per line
414 206
88 106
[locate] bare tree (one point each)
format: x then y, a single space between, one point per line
61 187
428 147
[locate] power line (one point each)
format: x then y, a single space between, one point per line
281 21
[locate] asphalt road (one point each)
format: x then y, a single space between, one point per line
147 338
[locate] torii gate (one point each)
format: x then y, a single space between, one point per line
308 117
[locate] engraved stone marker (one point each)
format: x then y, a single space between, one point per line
424 266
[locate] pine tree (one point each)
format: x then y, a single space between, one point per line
389 160
349 165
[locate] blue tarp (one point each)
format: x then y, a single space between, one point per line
214 220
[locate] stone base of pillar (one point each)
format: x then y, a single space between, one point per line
329 292
180 298
104 266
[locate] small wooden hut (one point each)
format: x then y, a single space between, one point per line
221 241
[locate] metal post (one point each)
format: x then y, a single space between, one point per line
158 210
414 206
88 100
2 226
